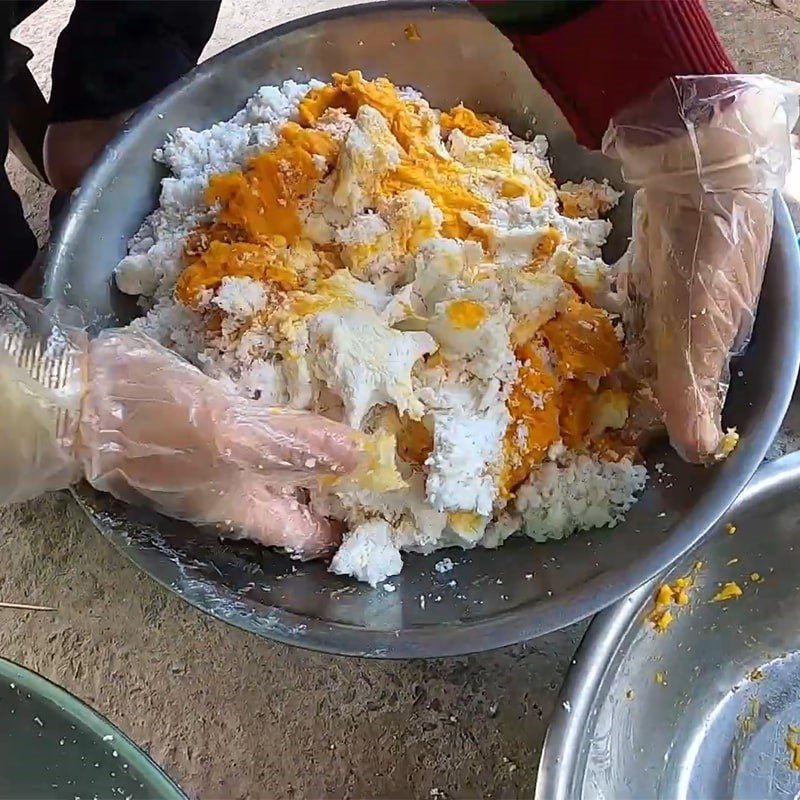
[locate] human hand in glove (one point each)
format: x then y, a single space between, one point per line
706 154
140 423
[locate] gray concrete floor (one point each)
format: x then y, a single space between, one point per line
232 716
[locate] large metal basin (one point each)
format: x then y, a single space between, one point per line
494 600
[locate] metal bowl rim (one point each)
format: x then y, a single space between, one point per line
600 644
457 638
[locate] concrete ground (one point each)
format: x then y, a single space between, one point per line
231 716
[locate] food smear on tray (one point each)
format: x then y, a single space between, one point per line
419 274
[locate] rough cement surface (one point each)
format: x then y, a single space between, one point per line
232 716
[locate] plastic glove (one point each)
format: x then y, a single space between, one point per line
147 427
707 154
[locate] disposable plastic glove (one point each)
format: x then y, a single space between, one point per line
707 154
142 424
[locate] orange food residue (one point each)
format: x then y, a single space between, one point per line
534 409
794 749
241 260
351 91
465 120
466 314
495 155
569 206
729 591
575 417
439 179
317 101
544 248
414 441
583 203
668 596
262 200
749 719
545 409
466 524
199 240
584 341
421 166
411 33
612 447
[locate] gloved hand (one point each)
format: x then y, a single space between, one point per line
147 427
707 154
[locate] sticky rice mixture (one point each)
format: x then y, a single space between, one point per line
418 274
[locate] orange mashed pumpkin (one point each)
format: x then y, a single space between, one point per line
534 409
262 200
584 341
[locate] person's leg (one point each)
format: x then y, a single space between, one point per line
17 243
113 56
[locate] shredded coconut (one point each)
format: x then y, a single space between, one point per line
368 554
583 493
241 298
464 450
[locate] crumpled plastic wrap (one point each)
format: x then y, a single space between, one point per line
142 424
706 154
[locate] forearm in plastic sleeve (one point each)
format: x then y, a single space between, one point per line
42 383
707 154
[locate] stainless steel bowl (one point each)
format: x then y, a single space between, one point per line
719 721
499 597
